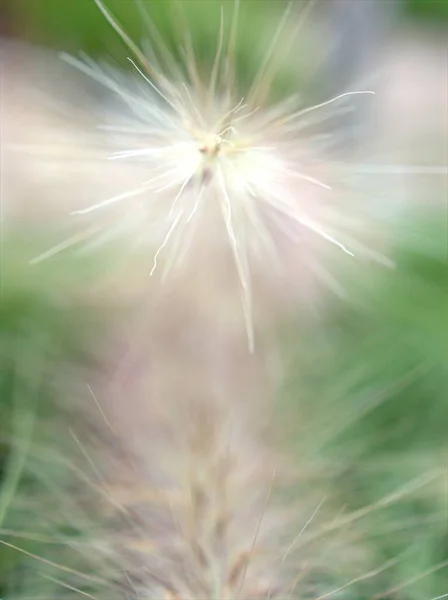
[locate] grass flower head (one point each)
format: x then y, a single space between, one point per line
206 149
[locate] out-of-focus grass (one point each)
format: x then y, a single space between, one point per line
431 10
81 27
369 391
76 26
49 334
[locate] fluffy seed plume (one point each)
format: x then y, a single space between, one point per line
204 148
192 507
209 528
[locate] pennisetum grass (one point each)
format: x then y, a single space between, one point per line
214 161
181 488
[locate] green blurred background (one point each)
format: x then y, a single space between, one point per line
73 25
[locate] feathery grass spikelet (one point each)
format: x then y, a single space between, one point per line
203 150
195 506
207 530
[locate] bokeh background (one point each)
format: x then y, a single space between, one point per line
368 390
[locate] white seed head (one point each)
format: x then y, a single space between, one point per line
202 148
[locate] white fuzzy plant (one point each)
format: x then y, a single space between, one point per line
204 150
195 499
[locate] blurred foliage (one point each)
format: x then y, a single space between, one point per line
430 10
378 366
80 26
75 26
48 333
